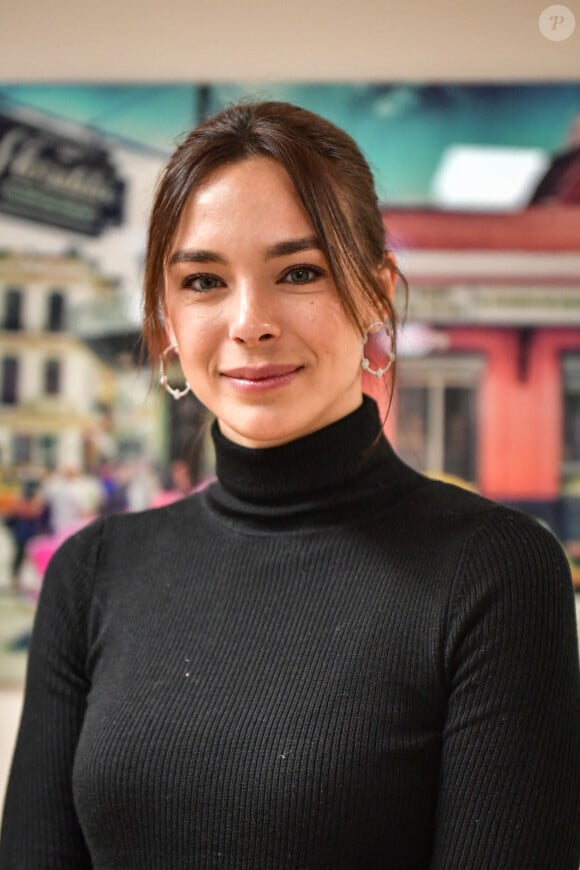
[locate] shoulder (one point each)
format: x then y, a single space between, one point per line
76 553
117 553
511 587
505 544
156 526
484 548
82 553
498 542
480 523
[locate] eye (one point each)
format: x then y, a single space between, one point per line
301 275
202 283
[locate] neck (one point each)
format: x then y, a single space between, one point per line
328 476
322 458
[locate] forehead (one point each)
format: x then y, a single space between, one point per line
251 198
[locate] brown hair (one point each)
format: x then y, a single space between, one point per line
330 175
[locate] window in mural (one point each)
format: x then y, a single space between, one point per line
55 321
52 377
436 415
9 381
13 309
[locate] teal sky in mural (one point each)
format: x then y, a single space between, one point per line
404 130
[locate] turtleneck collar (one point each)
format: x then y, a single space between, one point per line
343 474
326 458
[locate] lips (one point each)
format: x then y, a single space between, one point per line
261 379
262 372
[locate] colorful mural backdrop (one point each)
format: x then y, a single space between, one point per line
480 186
404 130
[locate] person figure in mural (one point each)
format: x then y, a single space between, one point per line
28 516
323 659
71 497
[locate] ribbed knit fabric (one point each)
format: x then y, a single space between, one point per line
323 660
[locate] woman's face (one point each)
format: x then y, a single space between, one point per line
263 338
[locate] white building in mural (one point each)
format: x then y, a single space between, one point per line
60 405
62 285
51 384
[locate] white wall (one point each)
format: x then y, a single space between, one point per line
10 708
185 40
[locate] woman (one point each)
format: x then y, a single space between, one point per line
323 660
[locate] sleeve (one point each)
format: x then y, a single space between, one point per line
509 794
40 827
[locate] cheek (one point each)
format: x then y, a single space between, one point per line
198 353
341 352
197 334
344 340
329 320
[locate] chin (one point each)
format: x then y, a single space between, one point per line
263 429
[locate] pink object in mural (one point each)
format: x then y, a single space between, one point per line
42 548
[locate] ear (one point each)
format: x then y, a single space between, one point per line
388 274
171 339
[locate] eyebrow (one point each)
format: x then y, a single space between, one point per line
292 246
280 249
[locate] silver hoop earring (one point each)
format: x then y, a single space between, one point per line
163 379
378 325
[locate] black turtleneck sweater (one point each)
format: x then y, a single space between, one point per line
324 660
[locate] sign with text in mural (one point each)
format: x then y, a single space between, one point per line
54 179
509 305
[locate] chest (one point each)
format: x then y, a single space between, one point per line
287 683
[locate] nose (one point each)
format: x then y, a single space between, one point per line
253 320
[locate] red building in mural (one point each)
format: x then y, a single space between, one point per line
491 391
